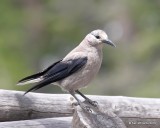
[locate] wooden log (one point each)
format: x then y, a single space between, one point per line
14 106
60 122
139 112
97 118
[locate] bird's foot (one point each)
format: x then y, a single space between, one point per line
93 103
86 108
83 106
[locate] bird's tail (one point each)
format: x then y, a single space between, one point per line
31 79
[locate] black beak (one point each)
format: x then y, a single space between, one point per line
109 42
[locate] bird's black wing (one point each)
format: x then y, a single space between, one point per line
60 71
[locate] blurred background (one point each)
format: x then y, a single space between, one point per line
35 33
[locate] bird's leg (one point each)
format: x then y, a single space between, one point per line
80 103
94 103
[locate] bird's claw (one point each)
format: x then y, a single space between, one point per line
87 108
93 103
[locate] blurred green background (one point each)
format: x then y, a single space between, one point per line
35 33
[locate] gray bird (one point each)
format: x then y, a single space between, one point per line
76 69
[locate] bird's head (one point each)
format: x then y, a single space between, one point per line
98 37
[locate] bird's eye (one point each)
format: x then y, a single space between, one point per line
98 37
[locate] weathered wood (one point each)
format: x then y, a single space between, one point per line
60 122
97 118
139 112
14 106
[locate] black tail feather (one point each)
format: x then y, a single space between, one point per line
31 77
40 85
34 76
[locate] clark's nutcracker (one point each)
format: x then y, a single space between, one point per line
76 69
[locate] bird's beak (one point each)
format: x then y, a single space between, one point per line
109 42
